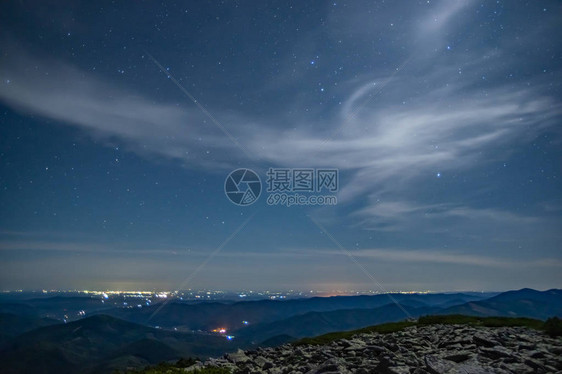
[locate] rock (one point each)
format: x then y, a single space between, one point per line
436 349
419 371
496 352
344 343
527 346
263 363
399 370
458 356
517 368
534 364
536 354
556 350
436 365
484 341
393 347
455 342
472 366
197 366
238 357
332 366
355 345
376 348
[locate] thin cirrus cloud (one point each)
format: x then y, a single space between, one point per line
485 227
372 135
441 131
400 255
62 92
444 257
434 113
385 139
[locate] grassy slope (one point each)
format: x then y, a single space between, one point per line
426 320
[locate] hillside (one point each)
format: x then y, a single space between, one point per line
209 315
100 344
315 323
12 325
522 303
401 348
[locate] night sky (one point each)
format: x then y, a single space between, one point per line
120 121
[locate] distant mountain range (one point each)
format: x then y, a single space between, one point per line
522 303
127 337
100 344
12 325
207 316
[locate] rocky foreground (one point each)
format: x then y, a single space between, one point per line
436 349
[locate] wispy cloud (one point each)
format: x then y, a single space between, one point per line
66 94
396 135
407 215
444 257
400 255
385 142
392 129
441 17
87 246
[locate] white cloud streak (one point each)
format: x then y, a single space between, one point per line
426 119
63 93
448 257
399 255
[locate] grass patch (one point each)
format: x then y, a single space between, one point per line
453 319
457 319
212 370
553 327
384 328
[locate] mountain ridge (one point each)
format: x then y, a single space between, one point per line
102 342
